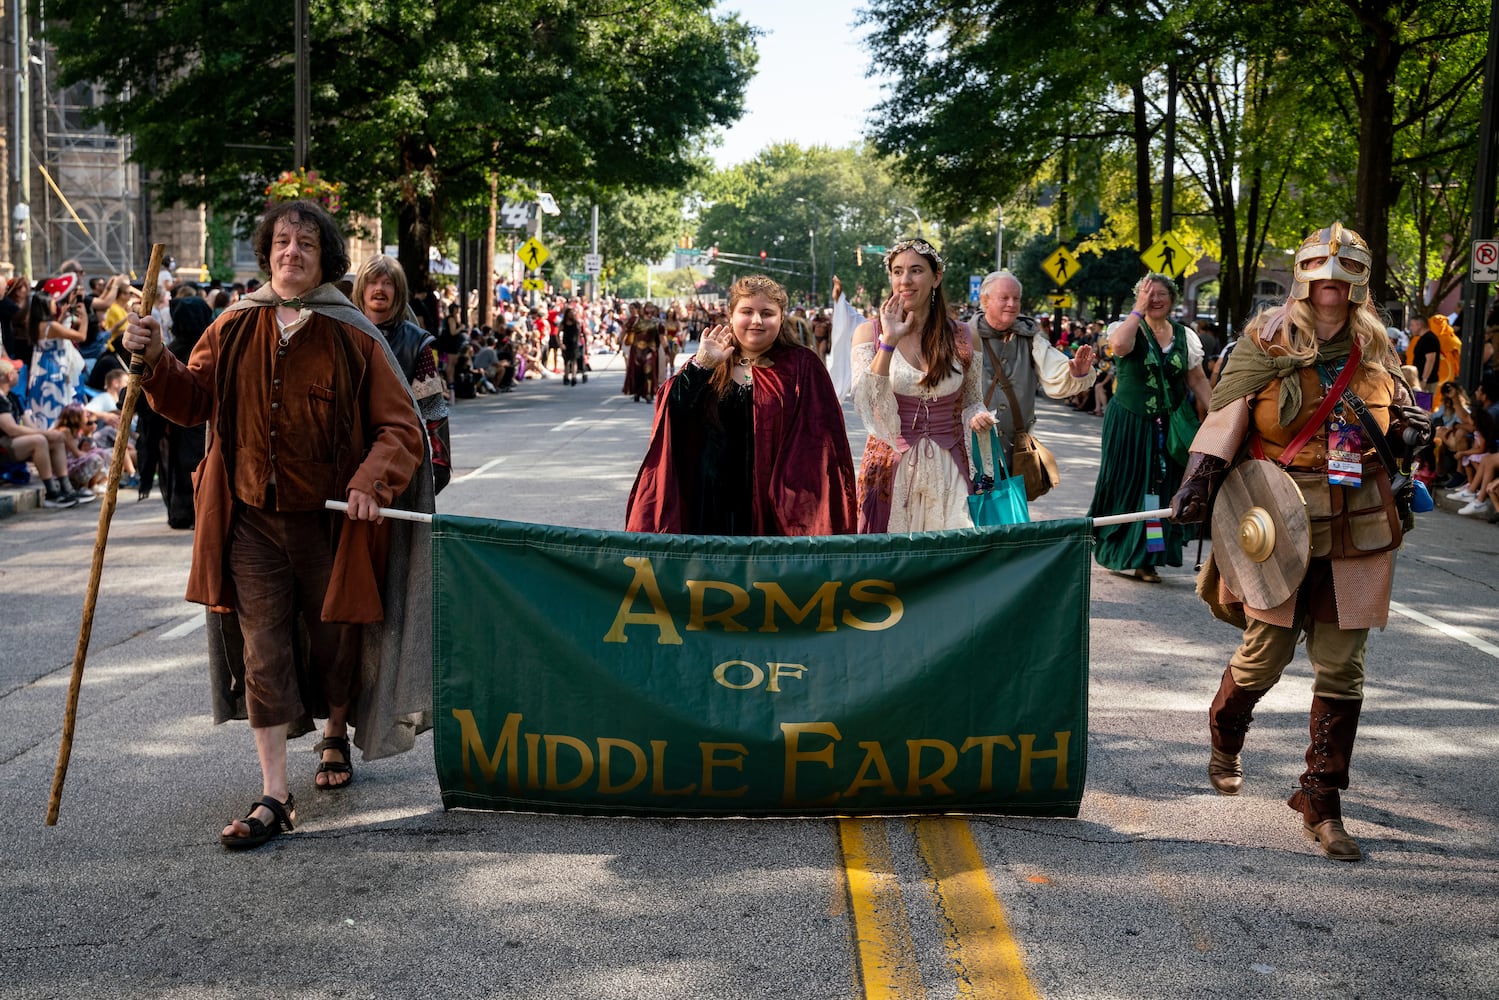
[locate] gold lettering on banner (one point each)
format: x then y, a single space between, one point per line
777 670
658 766
915 780
776 597
871 592
795 756
874 757
1028 754
507 749
533 761
659 616
696 591
607 746
585 763
711 760
986 745
756 675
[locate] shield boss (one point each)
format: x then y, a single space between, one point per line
1261 534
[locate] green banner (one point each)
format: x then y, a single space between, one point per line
607 672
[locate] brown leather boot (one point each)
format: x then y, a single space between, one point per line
1334 723
1228 722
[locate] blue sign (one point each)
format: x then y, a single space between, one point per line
974 280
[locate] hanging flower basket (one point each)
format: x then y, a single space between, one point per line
309 184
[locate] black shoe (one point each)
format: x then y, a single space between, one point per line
59 501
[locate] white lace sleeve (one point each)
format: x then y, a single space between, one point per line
972 399
1055 371
873 397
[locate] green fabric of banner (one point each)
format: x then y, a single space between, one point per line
605 672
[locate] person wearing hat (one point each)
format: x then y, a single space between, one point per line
1283 396
56 322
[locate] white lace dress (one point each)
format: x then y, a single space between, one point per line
915 472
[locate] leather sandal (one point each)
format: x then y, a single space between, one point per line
345 766
281 813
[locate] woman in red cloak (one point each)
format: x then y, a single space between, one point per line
748 436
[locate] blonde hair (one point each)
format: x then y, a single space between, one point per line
390 268
1364 323
6 368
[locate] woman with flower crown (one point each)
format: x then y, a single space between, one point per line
916 387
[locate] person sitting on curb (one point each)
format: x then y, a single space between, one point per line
20 442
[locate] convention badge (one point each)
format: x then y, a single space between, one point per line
1155 534
1345 454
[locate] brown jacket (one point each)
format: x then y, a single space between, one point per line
324 414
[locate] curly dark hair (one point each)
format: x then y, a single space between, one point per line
304 214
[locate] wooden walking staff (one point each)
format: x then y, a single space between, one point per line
106 514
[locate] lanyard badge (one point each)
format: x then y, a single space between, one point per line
1345 454
1155 534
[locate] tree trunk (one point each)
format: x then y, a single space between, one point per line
416 211
1143 188
1376 188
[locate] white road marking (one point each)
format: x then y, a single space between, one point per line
568 423
479 472
1451 631
188 627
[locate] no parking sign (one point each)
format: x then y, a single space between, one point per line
1484 266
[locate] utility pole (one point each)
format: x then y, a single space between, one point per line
999 242
1484 195
303 84
21 213
593 248
812 243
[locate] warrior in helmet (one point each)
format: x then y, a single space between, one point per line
1313 386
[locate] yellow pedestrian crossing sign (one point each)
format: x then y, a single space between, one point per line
533 254
533 285
1167 256
1061 265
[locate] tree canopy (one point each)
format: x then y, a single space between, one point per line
415 104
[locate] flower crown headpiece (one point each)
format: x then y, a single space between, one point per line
920 246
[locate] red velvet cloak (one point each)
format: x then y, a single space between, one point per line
803 471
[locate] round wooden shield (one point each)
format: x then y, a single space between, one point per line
1262 538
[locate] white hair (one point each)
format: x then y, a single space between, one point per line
994 276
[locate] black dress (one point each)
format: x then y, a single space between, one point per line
723 503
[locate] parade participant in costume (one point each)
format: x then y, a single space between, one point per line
748 437
57 322
1280 397
1006 337
380 291
639 342
916 386
306 404
572 347
1156 363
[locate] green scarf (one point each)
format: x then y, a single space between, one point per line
1251 367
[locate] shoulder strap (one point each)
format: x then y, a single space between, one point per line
1309 429
1003 381
1371 427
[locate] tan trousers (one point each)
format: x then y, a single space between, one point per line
1337 657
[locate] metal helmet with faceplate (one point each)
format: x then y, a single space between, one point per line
1336 254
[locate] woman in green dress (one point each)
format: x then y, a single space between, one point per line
1157 362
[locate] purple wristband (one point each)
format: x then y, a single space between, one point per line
884 346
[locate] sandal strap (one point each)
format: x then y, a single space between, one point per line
281 810
339 743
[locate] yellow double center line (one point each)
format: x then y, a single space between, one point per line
984 957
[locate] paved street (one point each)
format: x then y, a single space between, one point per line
1159 889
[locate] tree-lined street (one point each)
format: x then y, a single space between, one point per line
1158 889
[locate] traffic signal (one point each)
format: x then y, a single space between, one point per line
762 254
713 253
859 256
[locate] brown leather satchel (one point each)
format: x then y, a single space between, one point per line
1032 460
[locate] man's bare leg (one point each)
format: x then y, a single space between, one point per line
270 747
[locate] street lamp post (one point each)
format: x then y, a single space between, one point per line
920 235
812 244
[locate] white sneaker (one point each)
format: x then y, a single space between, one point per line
1462 494
1477 507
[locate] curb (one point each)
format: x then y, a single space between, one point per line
14 499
